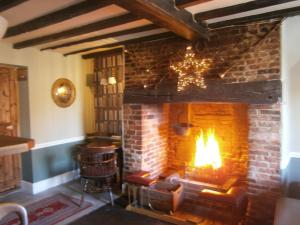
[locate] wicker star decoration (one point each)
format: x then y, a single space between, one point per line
190 70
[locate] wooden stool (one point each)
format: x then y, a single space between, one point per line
135 182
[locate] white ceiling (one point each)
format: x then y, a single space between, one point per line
254 12
35 8
97 15
214 4
126 26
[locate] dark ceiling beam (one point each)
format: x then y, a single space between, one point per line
165 14
103 36
7 4
240 8
153 37
56 17
187 3
99 25
103 53
259 17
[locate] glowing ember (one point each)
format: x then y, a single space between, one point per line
207 151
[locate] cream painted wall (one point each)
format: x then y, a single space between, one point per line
290 59
49 122
89 110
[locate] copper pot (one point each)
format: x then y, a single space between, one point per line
182 129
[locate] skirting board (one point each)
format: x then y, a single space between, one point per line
43 185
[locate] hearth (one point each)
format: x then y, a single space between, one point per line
208 163
212 180
216 148
164 198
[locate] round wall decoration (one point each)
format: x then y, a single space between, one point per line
63 92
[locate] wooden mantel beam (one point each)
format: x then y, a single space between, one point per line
165 14
255 92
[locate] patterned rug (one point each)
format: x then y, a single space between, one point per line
49 211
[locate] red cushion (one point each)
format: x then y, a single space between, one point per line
140 178
140 173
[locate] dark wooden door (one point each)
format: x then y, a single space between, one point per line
10 166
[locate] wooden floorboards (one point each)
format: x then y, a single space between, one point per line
116 215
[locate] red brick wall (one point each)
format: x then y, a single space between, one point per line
148 63
146 137
132 122
264 185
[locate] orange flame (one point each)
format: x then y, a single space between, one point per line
207 151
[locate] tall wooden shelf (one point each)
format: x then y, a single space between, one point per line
109 97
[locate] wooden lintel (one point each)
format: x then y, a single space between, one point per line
99 25
7 4
239 8
166 14
56 17
256 92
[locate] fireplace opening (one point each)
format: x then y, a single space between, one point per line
216 148
207 151
207 161
200 148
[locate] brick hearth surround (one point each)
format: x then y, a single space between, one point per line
146 137
146 126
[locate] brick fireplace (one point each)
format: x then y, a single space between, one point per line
247 127
229 122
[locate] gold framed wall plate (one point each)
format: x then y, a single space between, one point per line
63 92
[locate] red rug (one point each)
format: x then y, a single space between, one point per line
49 211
